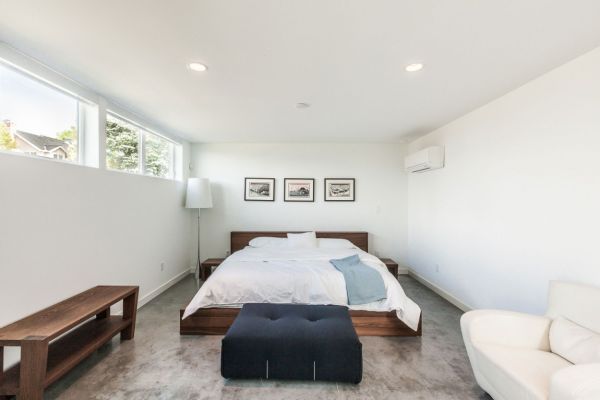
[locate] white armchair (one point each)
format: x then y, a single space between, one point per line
511 356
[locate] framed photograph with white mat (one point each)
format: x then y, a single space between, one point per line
298 189
339 189
259 189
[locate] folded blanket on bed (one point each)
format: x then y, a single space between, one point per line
363 283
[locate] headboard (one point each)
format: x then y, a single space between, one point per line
239 240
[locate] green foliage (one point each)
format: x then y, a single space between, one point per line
69 136
122 151
157 156
7 142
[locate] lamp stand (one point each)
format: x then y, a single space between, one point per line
197 272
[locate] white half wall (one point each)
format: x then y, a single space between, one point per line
65 228
380 206
518 203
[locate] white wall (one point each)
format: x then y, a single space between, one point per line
380 206
65 228
518 203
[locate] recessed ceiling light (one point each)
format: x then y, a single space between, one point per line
414 67
198 67
302 105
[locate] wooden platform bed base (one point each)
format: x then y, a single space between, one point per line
216 321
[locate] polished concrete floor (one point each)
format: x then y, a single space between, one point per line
160 364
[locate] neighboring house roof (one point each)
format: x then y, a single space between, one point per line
42 143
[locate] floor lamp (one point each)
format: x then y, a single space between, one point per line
198 196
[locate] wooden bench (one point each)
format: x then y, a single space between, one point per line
43 360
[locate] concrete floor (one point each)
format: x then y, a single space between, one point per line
160 364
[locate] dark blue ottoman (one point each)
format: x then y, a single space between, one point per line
291 341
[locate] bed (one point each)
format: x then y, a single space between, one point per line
295 276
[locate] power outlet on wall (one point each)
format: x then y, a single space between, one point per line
437 268
162 266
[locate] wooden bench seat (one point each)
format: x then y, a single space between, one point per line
48 351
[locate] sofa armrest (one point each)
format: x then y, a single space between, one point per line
506 328
578 382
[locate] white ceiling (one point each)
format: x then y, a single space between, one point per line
344 57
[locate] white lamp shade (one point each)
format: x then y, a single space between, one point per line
198 193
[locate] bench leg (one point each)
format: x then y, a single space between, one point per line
129 312
2 397
103 314
34 359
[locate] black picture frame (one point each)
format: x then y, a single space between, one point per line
352 190
287 196
268 181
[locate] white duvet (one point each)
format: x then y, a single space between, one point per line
302 276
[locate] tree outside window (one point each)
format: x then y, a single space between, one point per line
7 142
122 141
157 156
127 145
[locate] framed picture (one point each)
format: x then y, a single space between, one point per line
339 189
298 189
259 189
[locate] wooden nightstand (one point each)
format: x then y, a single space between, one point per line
207 265
391 265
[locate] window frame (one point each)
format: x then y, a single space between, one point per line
141 131
91 123
81 102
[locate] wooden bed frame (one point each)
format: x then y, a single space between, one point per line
216 321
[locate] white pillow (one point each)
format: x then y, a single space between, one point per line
327 243
266 241
573 342
302 240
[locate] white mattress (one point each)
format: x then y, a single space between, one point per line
301 276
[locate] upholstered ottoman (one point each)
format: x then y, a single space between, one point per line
291 341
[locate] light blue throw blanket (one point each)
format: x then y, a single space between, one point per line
363 283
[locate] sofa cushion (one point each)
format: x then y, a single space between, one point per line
574 301
518 373
577 382
574 342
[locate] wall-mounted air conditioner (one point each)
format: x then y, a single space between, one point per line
425 160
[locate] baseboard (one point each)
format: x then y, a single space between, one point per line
14 355
118 309
159 290
447 296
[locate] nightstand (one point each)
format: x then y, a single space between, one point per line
391 265
207 266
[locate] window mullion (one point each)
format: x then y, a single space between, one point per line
142 151
172 161
81 133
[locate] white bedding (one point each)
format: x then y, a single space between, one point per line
302 276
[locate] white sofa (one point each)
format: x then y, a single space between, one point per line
511 353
